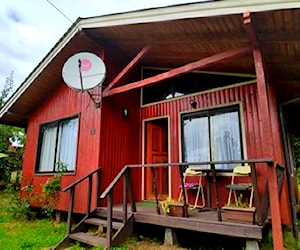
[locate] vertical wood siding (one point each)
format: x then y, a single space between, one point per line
65 102
120 144
120 139
250 114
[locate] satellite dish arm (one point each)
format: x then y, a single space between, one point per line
80 75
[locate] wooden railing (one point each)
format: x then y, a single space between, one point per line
72 188
124 174
267 203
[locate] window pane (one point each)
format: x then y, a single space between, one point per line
225 138
212 135
46 162
196 140
67 143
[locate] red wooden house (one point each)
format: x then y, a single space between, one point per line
214 82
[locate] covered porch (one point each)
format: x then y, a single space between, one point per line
206 220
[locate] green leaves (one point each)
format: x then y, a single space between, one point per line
10 156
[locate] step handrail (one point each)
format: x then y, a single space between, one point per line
72 187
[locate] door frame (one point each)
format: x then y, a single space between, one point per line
144 121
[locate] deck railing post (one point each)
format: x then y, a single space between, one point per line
109 219
99 172
88 207
214 178
125 197
155 189
130 189
256 194
185 203
70 212
275 207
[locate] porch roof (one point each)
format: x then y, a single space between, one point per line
177 35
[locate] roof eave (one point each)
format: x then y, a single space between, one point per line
184 11
194 10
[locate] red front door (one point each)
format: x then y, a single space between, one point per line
156 152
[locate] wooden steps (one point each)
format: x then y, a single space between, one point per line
101 222
89 239
85 233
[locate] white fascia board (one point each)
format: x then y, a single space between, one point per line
193 10
43 64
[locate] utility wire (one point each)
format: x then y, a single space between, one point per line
59 11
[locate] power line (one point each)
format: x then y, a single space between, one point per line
59 11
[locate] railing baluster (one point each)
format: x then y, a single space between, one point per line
125 197
72 188
155 189
130 189
185 203
70 212
109 219
214 178
256 194
88 207
99 173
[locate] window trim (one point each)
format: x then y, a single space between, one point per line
211 111
40 140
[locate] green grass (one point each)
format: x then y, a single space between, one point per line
16 233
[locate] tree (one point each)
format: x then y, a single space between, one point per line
10 136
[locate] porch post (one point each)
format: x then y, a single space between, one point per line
267 150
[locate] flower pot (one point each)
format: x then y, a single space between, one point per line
238 214
176 210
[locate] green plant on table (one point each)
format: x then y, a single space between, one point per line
239 203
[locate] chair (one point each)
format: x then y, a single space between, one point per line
191 184
237 185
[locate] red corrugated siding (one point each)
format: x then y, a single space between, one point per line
120 141
63 103
245 94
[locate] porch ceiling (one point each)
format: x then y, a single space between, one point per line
173 43
178 42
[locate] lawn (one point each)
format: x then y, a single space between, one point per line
19 233
16 232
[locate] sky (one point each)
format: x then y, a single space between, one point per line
30 28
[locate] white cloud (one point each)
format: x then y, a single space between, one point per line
29 29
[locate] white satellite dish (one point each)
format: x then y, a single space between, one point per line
84 71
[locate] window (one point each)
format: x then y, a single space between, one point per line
186 84
57 143
212 135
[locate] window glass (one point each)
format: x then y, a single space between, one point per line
196 140
212 135
58 143
186 84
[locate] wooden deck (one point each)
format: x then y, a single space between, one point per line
199 220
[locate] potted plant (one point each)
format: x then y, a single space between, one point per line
239 212
172 207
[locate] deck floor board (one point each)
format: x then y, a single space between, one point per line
199 220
